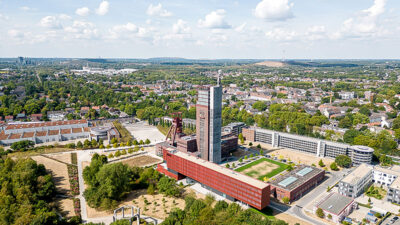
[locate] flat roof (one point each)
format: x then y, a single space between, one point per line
295 178
287 181
228 172
360 172
335 203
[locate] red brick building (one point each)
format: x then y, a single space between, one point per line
228 183
297 182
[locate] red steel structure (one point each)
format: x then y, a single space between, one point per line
232 185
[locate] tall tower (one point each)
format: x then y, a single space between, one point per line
208 123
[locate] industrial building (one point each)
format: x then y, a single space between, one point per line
297 182
336 205
225 182
42 132
321 148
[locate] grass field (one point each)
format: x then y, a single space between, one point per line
270 167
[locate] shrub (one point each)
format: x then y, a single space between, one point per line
320 213
334 167
130 150
118 153
123 152
110 156
321 163
285 200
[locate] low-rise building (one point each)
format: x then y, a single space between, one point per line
297 182
336 205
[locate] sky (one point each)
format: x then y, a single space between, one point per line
201 29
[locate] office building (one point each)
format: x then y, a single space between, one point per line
225 182
355 182
234 128
321 148
208 123
297 182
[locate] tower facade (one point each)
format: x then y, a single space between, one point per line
208 123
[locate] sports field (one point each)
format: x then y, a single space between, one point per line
262 168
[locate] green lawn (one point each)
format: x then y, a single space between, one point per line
267 212
282 167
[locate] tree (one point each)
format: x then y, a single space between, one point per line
260 106
141 142
349 136
241 160
259 146
343 161
118 153
321 163
168 187
227 166
110 156
285 200
320 213
261 152
22 145
345 122
334 166
241 138
79 145
329 216
250 144
147 141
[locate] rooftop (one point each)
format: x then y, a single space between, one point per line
43 124
296 177
235 175
357 174
335 203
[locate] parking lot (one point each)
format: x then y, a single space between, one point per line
392 220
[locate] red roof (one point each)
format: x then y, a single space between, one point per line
76 130
65 131
28 134
44 124
15 136
41 133
54 132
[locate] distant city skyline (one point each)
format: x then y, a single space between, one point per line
261 29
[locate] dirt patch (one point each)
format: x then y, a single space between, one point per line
291 220
66 207
270 64
141 161
260 169
299 157
59 172
155 207
63 157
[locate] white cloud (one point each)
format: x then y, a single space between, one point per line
181 27
241 27
274 10
128 31
82 30
25 8
15 34
364 24
103 8
64 17
279 34
50 22
84 11
157 10
215 20
315 33
3 17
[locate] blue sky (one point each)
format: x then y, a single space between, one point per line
267 29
